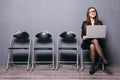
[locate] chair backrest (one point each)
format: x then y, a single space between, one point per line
20 39
68 35
43 39
68 38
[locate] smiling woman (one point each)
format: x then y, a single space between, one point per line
94 45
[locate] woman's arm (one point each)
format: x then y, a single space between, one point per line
83 34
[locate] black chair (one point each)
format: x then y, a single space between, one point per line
19 49
67 42
43 45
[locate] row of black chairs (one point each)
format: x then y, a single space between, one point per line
44 44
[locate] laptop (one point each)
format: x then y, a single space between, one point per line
96 31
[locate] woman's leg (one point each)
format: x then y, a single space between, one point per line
99 50
92 57
92 53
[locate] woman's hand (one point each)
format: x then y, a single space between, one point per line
84 37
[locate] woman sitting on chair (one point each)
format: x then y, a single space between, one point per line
92 44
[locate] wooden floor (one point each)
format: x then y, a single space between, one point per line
66 72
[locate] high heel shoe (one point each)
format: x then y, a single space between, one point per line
92 69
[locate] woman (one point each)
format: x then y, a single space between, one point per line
92 44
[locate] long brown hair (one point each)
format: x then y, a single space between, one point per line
88 21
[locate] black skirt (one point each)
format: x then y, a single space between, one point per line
86 44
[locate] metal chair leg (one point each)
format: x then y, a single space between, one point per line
103 68
81 61
57 62
7 66
33 59
77 60
28 63
53 60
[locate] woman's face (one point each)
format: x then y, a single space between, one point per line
92 13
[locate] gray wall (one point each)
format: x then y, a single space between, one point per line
56 16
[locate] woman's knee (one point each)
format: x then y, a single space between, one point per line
95 40
92 46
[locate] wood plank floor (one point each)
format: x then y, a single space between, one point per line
67 72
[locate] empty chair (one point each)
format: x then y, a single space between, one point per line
19 49
43 49
67 49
